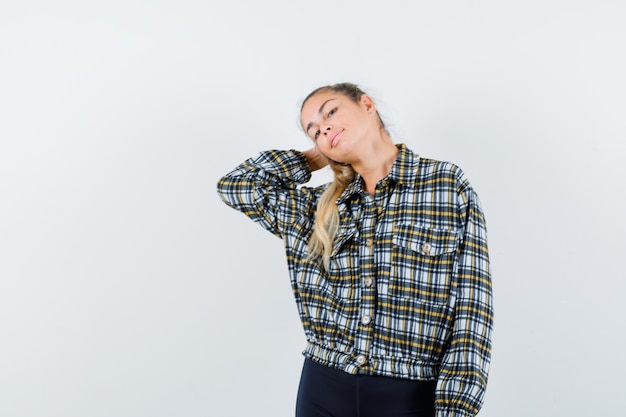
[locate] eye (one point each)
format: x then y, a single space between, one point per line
316 134
333 111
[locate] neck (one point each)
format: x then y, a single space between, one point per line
376 163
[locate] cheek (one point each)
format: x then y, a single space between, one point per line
322 142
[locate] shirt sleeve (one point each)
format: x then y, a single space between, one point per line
465 366
265 188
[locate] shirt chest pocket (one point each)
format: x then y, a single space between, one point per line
423 262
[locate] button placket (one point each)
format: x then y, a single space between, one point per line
367 271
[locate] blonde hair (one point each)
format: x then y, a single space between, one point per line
327 219
327 215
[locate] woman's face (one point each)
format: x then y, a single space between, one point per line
338 125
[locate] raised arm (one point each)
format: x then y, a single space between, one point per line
265 187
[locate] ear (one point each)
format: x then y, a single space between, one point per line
368 104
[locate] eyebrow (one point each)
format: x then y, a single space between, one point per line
321 109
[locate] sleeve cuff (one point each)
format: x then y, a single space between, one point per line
452 412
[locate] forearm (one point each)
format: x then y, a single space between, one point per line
261 185
465 365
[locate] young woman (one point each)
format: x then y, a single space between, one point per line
388 265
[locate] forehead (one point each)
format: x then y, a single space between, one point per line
310 109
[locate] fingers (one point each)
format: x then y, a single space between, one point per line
315 158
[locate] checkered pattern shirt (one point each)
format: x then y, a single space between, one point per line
408 290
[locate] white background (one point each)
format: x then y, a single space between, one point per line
128 289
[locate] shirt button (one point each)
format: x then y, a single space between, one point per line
368 282
361 359
369 242
426 248
366 320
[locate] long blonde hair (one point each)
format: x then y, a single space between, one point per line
327 219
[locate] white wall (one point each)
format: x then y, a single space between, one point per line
128 289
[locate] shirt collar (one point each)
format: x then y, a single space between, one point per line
403 171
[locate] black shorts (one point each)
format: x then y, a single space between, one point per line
330 392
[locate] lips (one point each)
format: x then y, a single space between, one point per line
335 138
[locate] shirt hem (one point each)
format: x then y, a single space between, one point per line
371 364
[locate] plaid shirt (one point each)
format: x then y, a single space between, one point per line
408 290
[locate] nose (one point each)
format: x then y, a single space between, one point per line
327 129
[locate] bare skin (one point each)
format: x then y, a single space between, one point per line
348 132
315 158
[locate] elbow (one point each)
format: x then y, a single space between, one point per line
224 190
